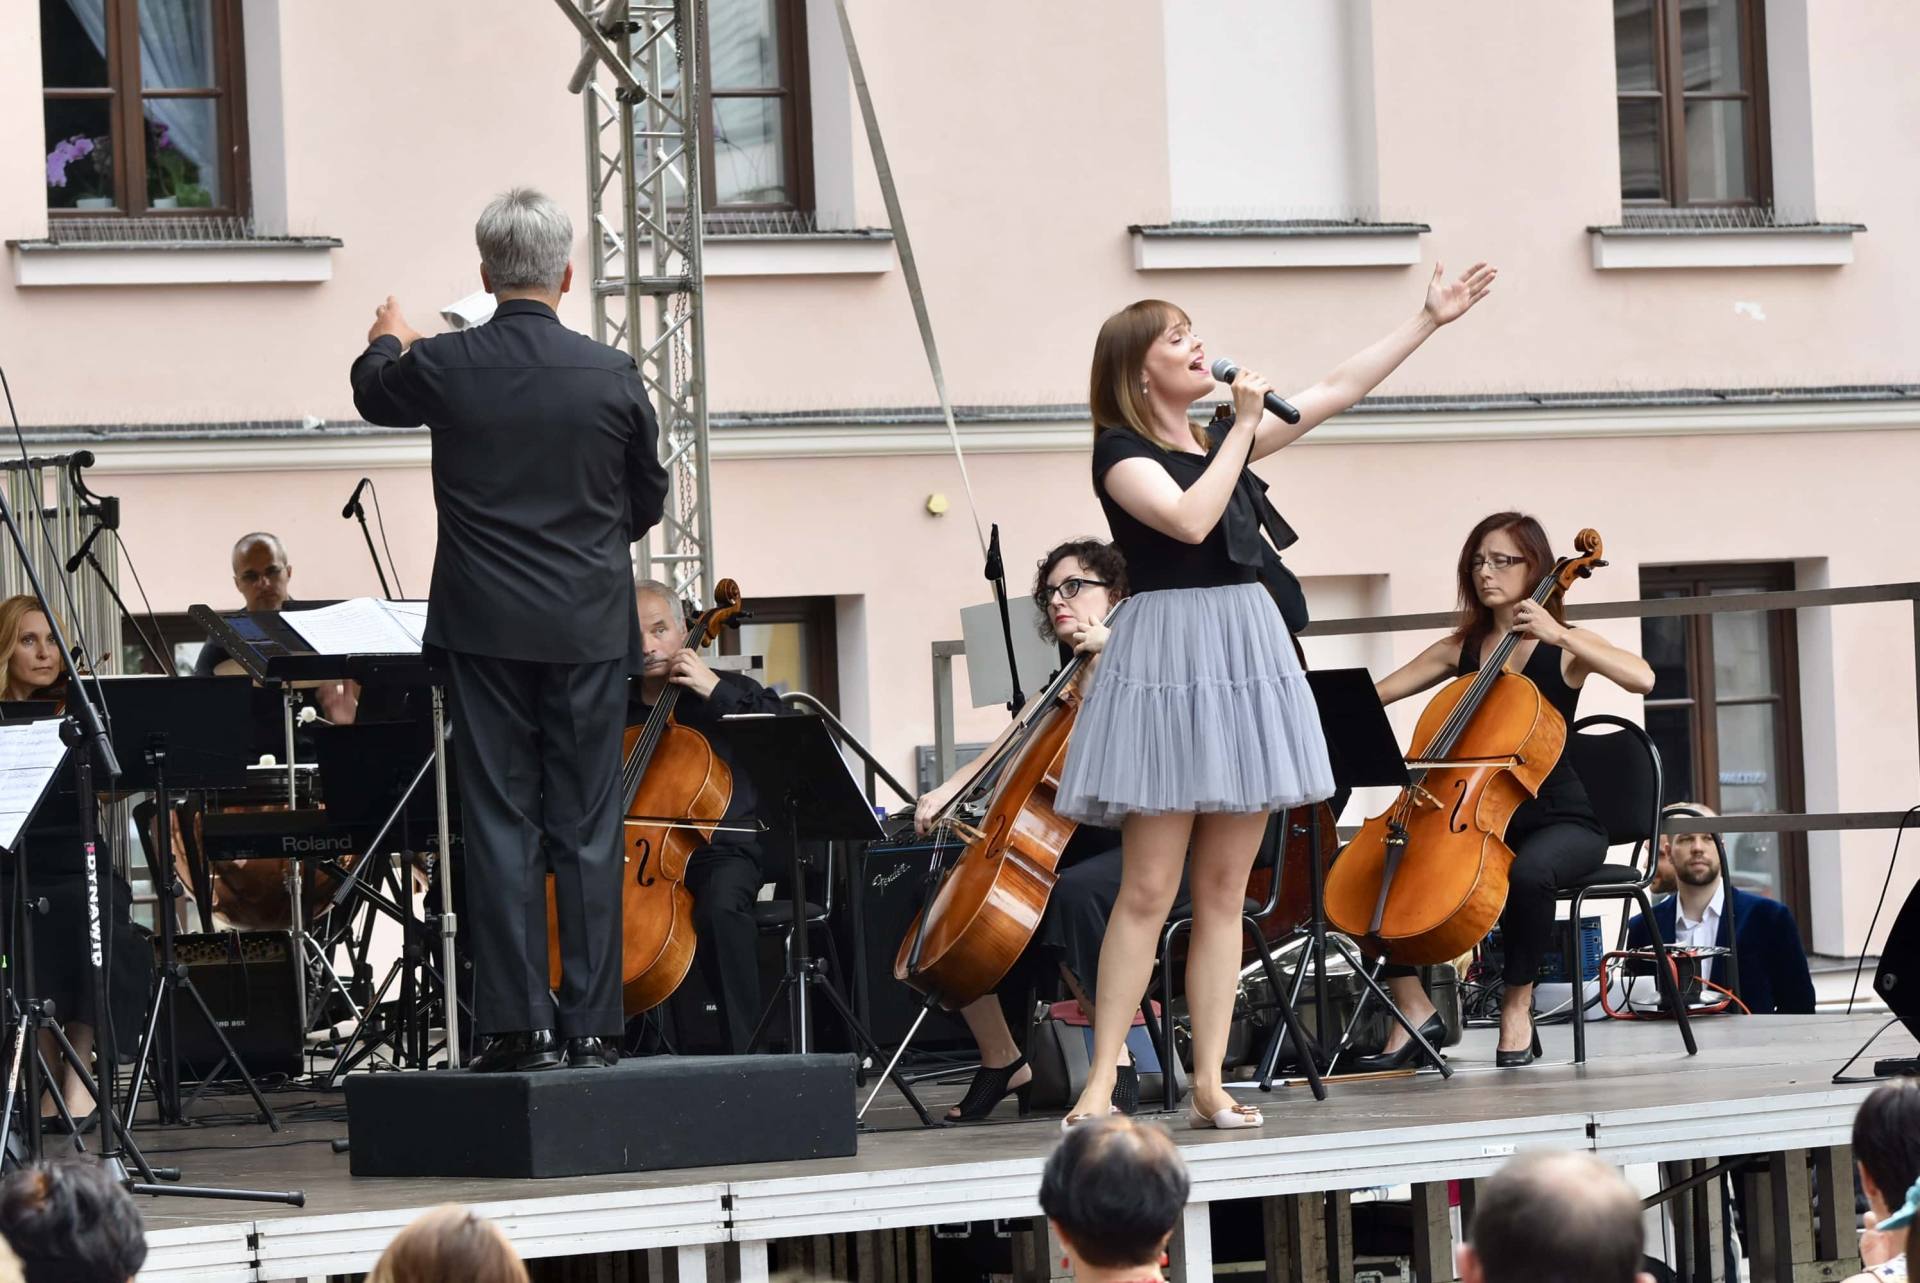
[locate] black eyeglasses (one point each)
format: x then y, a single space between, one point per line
1498 560
271 571
1070 588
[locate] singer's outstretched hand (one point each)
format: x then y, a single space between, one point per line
388 320
1450 301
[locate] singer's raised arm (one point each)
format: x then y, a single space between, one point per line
1366 369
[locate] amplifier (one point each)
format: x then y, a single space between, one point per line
885 884
246 980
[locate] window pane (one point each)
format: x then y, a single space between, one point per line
72 45
1717 151
1671 730
183 170
1634 45
745 52
79 154
1664 644
176 44
749 162
1750 782
1710 46
1742 655
789 661
1640 150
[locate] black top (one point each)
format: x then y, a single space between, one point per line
1562 798
544 471
736 693
1156 561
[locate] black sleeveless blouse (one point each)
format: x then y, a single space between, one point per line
1562 798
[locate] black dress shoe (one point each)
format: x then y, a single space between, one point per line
516 1053
592 1053
1126 1087
1519 1059
1408 1053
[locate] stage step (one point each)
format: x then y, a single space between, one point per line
646 1114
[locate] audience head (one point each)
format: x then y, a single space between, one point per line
71 1223
526 243
261 571
450 1242
1687 859
1886 1144
1555 1218
1113 1190
26 640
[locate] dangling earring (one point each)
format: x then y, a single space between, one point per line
1163 1260
1065 1263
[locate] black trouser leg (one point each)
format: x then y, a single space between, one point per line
1544 861
724 882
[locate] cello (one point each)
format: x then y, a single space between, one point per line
1425 880
676 790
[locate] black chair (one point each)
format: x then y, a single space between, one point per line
1620 768
1273 849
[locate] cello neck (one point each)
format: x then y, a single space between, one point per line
1490 672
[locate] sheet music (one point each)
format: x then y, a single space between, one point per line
30 752
362 626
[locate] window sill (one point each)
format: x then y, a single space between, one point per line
254 261
1807 245
865 251
1175 247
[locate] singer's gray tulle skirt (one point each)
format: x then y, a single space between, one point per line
1198 705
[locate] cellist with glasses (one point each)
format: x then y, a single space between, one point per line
1555 836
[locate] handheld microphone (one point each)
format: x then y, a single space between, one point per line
353 504
1224 369
73 562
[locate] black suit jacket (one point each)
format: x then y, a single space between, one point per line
545 468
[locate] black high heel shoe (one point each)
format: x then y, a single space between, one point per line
988 1089
1126 1087
1408 1053
1519 1059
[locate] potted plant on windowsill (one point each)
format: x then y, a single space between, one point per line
173 180
83 165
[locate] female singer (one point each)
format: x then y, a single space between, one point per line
1200 722
1078 584
57 873
1555 836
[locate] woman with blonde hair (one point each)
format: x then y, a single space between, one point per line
450 1244
1200 723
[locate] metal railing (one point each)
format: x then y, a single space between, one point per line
876 773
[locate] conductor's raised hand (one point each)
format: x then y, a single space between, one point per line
387 319
1249 397
1449 300
689 670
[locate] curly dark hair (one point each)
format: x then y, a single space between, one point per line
1099 557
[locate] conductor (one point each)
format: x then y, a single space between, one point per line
545 468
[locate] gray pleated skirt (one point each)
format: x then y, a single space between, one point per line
1198 705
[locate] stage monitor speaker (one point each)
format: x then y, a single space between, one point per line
246 978
886 884
1897 980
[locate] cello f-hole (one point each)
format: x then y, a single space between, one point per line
1453 820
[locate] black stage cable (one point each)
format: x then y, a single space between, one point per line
1879 904
159 634
380 519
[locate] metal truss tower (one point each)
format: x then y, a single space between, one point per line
644 245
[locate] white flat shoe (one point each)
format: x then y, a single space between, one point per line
1229 1119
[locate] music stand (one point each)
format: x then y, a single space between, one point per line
1364 753
803 780
178 733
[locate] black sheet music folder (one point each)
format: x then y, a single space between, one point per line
272 650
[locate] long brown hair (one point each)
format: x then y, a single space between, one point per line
1475 619
13 617
1119 357
450 1242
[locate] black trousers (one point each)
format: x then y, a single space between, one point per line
1544 860
725 881
538 751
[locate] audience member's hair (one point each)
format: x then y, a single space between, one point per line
1886 1139
446 1244
71 1223
1115 1190
1557 1218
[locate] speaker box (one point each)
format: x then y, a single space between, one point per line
1897 978
246 979
886 883
650 1114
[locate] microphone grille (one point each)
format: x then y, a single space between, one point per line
1224 369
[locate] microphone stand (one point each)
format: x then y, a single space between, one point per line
109 520
996 574
356 509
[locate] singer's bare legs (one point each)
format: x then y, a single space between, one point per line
1224 849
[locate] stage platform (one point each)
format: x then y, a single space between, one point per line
1759 1085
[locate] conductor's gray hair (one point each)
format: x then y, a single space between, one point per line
525 239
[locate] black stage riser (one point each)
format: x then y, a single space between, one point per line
649 1114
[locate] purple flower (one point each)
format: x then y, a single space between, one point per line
64 153
163 141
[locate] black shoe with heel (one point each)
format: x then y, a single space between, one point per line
1126 1087
1408 1053
1522 1058
986 1091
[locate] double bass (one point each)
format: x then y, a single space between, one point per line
1425 880
676 791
